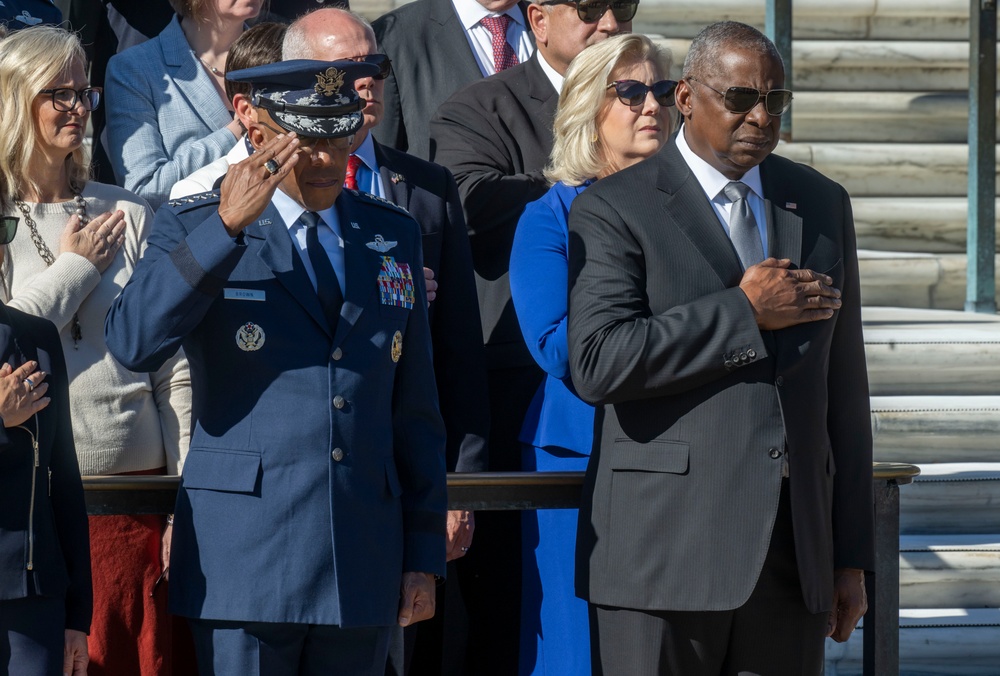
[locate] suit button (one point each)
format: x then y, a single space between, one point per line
752 353
337 354
774 453
337 454
728 364
779 381
743 357
338 402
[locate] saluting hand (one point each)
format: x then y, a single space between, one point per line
249 185
22 392
781 297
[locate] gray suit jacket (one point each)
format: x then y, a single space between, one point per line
700 406
431 60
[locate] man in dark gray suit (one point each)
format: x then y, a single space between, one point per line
727 518
437 47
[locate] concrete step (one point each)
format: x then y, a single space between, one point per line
848 19
949 571
880 117
931 352
932 642
888 169
869 65
935 428
916 280
914 224
951 499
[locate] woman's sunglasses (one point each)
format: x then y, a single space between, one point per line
633 92
8 228
591 11
741 100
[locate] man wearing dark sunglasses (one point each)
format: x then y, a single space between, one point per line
715 313
429 193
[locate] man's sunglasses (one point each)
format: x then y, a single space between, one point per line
64 99
743 99
633 92
591 11
380 60
8 228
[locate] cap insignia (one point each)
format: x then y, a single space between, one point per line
329 83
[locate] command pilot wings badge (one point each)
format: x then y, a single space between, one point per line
380 244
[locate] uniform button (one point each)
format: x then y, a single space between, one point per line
338 402
337 454
774 453
752 353
779 381
337 354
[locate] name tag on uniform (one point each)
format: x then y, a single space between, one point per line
243 294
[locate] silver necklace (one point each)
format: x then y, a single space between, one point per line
46 253
212 69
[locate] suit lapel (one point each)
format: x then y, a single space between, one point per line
190 78
784 226
451 45
361 265
398 191
278 253
687 206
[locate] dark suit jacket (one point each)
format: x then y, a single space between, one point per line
40 489
699 404
495 136
316 471
431 60
429 193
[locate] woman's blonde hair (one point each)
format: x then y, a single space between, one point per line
576 151
30 60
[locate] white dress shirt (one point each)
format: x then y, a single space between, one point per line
329 235
712 182
471 13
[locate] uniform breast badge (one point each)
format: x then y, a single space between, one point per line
396 351
395 283
250 337
380 244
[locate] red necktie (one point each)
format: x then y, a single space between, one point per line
503 54
351 179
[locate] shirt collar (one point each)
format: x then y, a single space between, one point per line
290 210
554 77
711 179
471 13
366 151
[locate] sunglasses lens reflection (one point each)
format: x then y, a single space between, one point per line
743 99
633 93
592 10
8 228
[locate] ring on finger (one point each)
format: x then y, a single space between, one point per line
465 549
272 166
30 383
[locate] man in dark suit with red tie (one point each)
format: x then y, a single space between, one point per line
727 518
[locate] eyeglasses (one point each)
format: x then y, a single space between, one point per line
633 92
64 99
742 100
8 228
591 11
380 60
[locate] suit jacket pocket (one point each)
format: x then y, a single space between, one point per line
656 456
221 470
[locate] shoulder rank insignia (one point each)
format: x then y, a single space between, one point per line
375 199
380 244
194 200
250 337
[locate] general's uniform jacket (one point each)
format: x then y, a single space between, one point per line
316 472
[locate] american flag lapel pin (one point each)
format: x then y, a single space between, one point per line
791 206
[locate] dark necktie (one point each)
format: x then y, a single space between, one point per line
743 226
351 178
503 54
327 286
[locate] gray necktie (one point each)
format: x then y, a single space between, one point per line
743 226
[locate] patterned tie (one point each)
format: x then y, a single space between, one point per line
351 179
743 226
327 286
503 54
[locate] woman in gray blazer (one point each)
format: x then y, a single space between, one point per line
166 106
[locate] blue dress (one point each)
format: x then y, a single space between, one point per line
557 435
